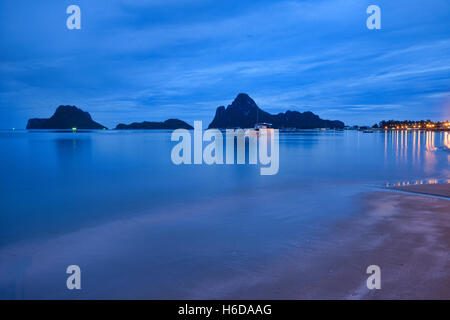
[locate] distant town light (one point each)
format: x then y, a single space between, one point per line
411 125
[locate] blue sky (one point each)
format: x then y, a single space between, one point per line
138 60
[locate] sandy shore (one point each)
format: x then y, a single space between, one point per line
407 236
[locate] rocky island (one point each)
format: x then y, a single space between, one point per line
244 113
170 124
66 117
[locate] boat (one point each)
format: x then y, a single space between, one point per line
262 125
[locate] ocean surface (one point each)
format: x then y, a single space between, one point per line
139 226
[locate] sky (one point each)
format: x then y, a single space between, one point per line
136 60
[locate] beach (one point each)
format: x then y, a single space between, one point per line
406 235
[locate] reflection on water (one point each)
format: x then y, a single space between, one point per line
54 182
416 182
72 151
430 141
447 140
417 146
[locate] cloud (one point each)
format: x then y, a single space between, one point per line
157 59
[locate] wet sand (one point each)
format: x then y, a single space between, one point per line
407 236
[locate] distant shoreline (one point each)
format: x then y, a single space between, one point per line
438 189
283 130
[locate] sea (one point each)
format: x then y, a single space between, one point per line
140 227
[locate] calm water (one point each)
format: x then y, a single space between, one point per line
113 203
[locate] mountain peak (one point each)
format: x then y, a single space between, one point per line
243 102
63 111
67 109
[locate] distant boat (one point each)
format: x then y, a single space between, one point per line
288 130
368 131
262 125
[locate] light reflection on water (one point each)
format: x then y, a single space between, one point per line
419 148
410 146
447 139
416 182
